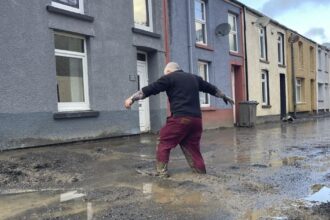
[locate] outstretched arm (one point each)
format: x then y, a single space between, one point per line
135 97
153 89
225 98
213 90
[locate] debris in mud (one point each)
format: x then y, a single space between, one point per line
40 169
322 209
259 165
317 187
40 166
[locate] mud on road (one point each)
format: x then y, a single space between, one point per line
273 171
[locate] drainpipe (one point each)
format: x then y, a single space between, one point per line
245 58
166 45
191 68
166 30
293 82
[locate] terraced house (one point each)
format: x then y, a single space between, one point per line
67 65
266 65
301 74
323 93
196 46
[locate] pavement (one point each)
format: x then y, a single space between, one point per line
272 171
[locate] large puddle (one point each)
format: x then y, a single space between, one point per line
250 171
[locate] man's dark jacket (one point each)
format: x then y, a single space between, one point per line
182 90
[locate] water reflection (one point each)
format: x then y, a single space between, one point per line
70 195
175 195
29 204
322 196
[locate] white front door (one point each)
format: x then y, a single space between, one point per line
144 112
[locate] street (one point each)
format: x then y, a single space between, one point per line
272 171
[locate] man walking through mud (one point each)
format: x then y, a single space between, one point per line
184 126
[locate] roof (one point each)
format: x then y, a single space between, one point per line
260 14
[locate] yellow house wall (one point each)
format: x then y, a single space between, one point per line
306 70
255 66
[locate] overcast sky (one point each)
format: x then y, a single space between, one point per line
310 18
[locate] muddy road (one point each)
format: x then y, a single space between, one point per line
273 171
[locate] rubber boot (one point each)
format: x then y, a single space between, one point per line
191 162
161 169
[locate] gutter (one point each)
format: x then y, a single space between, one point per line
166 30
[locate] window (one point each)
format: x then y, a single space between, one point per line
265 87
70 5
301 54
326 63
326 91
320 92
280 48
71 72
200 22
299 85
262 43
143 14
232 20
203 70
319 59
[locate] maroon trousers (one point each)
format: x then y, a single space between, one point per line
185 131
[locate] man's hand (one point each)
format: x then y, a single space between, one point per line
227 99
128 103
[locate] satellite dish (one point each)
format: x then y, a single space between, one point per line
293 38
222 29
262 21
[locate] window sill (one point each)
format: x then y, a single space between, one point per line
205 47
264 61
71 14
208 109
77 114
266 106
301 103
236 54
146 33
281 65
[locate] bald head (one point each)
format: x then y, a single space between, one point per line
171 67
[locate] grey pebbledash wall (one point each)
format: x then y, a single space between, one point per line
28 96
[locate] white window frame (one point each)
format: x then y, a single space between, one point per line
264 91
280 46
233 33
207 76
299 87
144 27
75 106
69 8
320 92
262 41
202 22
